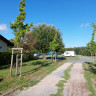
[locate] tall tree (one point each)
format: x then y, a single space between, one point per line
54 44
46 35
18 26
92 44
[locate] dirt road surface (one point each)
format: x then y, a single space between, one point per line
46 86
75 86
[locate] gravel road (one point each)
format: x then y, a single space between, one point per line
46 86
76 85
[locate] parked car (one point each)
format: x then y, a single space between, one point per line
36 54
68 53
49 53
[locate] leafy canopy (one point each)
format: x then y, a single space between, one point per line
18 26
54 44
46 35
92 44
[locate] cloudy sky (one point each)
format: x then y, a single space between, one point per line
72 17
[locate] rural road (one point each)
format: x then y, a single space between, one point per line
75 86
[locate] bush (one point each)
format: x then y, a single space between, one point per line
28 57
5 58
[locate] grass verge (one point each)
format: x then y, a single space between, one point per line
60 84
91 79
75 57
37 69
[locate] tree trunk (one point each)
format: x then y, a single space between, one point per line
21 64
11 63
52 57
55 56
16 63
91 55
95 56
44 56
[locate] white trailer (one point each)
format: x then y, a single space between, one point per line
69 53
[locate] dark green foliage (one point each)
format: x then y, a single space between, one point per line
46 35
28 57
92 67
80 50
5 58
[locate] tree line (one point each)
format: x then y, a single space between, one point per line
80 50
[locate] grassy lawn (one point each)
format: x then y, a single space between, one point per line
75 57
93 57
33 71
90 77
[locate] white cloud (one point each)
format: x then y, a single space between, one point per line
81 25
87 24
3 27
84 25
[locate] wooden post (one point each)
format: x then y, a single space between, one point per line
52 56
55 56
21 64
95 56
11 63
16 63
91 55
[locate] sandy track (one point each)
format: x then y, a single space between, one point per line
76 85
46 86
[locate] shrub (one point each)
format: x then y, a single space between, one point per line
5 58
28 57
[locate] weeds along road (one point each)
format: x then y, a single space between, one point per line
75 86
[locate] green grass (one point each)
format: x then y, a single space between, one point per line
75 57
89 76
60 84
37 69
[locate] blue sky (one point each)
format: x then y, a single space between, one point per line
72 17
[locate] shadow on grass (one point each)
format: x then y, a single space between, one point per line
59 58
1 79
91 67
43 64
4 67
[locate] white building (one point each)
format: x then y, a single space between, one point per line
4 43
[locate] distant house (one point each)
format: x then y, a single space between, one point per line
4 43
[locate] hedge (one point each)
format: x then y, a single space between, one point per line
5 58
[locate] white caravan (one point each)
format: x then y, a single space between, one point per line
68 53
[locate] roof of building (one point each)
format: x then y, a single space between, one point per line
7 41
